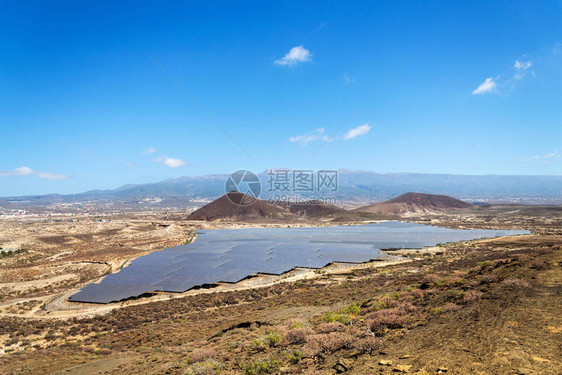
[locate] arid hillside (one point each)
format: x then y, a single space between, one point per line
238 207
416 203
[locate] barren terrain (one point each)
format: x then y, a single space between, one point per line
489 307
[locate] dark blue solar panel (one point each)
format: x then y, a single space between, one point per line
230 255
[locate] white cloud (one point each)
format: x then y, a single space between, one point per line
544 159
23 171
522 65
554 154
534 157
310 137
506 85
489 85
521 68
356 132
148 150
51 175
170 162
320 134
26 171
294 56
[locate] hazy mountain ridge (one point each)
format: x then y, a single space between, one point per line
354 187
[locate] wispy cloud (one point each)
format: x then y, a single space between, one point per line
534 157
495 85
489 85
295 56
51 175
320 134
545 159
553 154
26 171
521 68
347 78
170 162
522 65
148 150
358 131
310 137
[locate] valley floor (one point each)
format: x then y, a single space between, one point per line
489 307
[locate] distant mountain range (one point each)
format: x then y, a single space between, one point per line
4 204
354 188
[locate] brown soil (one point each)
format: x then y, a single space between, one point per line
489 307
238 206
59 255
416 203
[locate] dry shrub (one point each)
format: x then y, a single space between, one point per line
431 278
408 307
200 355
368 344
516 284
450 307
391 318
204 368
330 327
471 296
417 293
539 265
489 278
299 335
328 343
545 250
390 302
295 323
521 258
273 338
431 291
473 283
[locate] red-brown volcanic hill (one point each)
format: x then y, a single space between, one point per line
224 208
260 210
314 211
416 203
314 208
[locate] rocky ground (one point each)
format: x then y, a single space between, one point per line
489 307
42 259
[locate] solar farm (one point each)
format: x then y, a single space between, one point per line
231 255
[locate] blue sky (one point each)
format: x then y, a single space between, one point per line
84 106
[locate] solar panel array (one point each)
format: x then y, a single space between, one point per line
230 255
